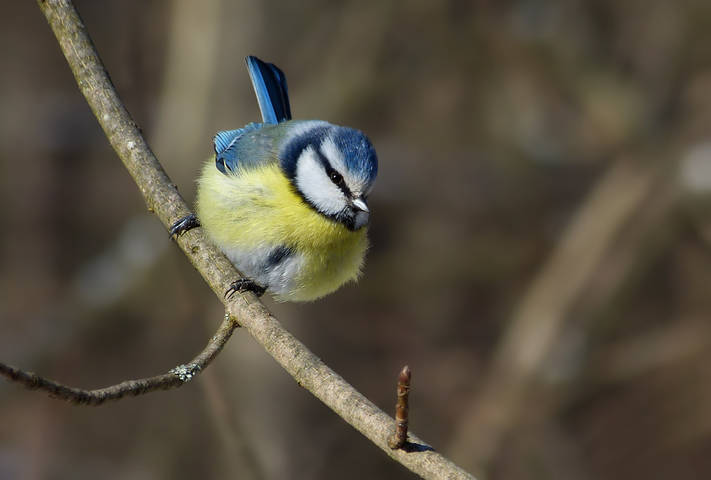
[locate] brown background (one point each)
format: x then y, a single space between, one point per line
498 126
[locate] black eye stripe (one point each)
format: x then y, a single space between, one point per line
334 175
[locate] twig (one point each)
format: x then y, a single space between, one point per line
163 199
176 377
402 409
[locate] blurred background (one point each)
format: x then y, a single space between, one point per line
540 239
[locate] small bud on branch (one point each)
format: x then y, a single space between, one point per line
402 410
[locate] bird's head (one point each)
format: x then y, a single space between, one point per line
333 169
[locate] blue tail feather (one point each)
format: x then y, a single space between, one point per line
270 87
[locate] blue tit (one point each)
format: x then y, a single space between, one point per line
285 199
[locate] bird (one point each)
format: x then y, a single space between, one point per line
285 199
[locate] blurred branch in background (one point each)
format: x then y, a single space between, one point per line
237 448
163 199
188 83
657 348
182 118
633 188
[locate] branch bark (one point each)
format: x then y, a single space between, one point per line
162 198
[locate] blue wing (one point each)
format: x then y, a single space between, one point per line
270 87
235 148
226 147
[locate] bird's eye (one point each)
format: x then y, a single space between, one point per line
335 177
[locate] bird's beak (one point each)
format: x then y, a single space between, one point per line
360 204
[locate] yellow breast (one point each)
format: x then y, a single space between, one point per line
259 209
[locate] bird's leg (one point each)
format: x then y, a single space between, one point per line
245 285
186 223
189 222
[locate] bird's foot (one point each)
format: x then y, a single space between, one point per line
186 223
245 285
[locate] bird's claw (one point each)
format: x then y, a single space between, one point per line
245 285
186 223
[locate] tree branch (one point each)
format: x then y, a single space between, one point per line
162 198
176 377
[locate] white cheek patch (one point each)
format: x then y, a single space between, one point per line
314 184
